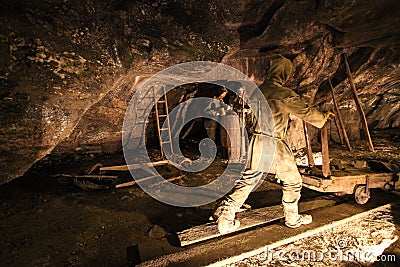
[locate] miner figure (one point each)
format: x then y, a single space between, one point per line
215 109
243 110
282 101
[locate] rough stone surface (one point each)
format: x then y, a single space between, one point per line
69 68
361 242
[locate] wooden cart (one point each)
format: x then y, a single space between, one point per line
354 182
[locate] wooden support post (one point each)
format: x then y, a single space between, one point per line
242 132
339 116
310 156
338 131
247 66
326 172
358 104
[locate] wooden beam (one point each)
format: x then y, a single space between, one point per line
310 156
131 183
339 116
233 248
358 104
133 166
248 219
89 176
326 171
338 131
335 119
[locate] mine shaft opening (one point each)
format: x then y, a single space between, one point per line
193 130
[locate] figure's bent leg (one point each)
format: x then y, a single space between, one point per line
225 213
243 188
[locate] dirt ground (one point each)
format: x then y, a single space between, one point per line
48 221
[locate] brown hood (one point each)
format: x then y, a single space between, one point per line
280 69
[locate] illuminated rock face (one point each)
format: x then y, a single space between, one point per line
69 68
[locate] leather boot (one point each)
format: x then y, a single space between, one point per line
226 219
292 217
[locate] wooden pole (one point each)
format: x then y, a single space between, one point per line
358 104
326 171
339 116
134 166
148 178
338 131
310 156
242 134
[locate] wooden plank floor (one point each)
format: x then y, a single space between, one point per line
248 219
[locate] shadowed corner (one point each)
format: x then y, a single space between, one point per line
132 255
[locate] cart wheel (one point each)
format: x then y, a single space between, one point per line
361 194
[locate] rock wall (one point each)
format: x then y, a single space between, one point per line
314 35
68 68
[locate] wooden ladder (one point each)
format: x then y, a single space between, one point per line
162 119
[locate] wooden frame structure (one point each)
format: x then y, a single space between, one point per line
357 182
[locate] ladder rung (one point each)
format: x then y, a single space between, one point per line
162 116
166 142
164 129
161 101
